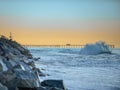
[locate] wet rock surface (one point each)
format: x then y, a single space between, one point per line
18 71
54 84
2 87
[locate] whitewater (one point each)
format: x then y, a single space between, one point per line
79 72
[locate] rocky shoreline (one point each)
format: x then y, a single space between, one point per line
18 71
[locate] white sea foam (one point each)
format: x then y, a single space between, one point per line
80 72
97 48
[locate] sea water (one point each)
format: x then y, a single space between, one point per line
80 72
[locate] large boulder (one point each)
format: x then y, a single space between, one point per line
54 84
97 48
19 76
2 87
27 79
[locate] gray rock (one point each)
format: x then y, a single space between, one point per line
31 63
40 73
54 88
2 87
27 79
8 46
20 78
1 68
18 71
41 88
54 84
23 66
13 88
48 88
8 64
7 77
36 59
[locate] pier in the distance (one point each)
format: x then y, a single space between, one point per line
62 46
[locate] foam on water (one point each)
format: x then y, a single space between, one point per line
80 72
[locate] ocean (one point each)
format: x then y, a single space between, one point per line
79 72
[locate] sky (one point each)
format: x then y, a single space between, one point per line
61 21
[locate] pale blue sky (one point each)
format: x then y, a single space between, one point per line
62 9
88 20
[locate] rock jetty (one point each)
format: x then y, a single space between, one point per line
18 70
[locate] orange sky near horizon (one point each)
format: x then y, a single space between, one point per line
38 36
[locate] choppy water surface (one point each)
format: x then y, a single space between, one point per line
80 72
